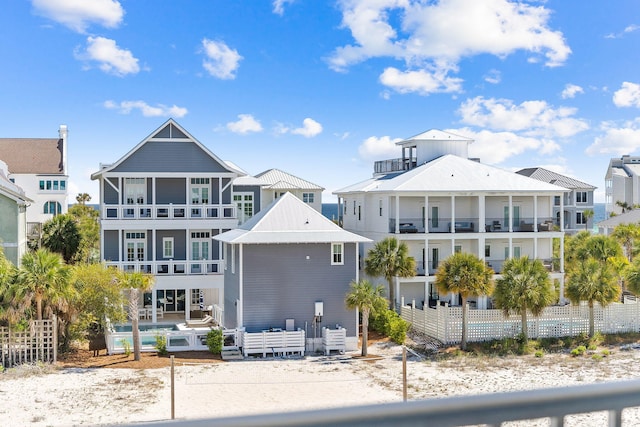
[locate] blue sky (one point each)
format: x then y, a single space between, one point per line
323 89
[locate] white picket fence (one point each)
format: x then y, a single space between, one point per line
445 323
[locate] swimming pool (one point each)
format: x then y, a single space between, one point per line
126 327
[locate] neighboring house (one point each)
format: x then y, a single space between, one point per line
279 182
13 218
161 204
439 202
283 264
607 226
574 203
622 186
39 167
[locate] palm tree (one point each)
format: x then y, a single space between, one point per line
43 277
83 198
7 275
368 300
525 286
592 281
60 234
624 206
466 274
136 282
632 277
627 235
587 214
390 258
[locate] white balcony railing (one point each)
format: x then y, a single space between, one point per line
170 211
170 267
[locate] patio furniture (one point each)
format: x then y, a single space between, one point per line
142 313
159 313
205 321
496 226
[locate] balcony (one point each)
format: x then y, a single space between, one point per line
394 165
170 211
171 267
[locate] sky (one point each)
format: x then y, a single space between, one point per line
322 89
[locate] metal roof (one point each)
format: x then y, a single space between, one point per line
289 220
546 175
435 135
278 179
450 173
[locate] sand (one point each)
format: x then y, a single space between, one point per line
74 396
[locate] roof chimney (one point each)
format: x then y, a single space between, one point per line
62 133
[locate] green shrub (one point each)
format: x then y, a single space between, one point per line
605 352
161 345
389 323
214 341
539 353
579 351
126 345
596 357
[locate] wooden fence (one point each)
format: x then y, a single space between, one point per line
38 343
445 323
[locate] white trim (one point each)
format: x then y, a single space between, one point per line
340 253
165 254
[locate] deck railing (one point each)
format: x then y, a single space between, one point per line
168 211
488 409
170 267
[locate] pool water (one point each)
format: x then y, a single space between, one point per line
147 327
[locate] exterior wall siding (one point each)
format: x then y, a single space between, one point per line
281 283
179 244
9 226
111 252
174 156
231 291
110 196
171 190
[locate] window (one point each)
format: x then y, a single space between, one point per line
195 296
244 203
556 200
435 258
354 207
581 218
167 247
42 185
380 207
199 191
135 245
134 190
52 185
359 212
434 217
516 252
581 196
52 207
307 197
457 249
336 253
487 250
200 245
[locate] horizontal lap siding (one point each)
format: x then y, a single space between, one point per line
171 190
111 250
281 283
179 244
175 156
231 292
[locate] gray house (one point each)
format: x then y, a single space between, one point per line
289 267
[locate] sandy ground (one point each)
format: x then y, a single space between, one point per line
100 396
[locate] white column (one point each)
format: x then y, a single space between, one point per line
562 212
426 214
187 304
535 212
397 230
482 215
240 314
510 217
453 215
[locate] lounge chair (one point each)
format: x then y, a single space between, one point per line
205 321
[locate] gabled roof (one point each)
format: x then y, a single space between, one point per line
169 131
551 177
277 179
450 173
289 220
631 217
32 155
434 135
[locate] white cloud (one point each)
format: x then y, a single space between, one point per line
628 95
628 29
420 34
220 60
110 58
571 90
246 124
309 129
420 81
379 148
496 147
531 118
616 140
278 6
79 14
160 110
493 77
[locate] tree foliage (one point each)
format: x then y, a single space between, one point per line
467 275
368 300
390 258
524 286
60 234
135 282
592 280
87 221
